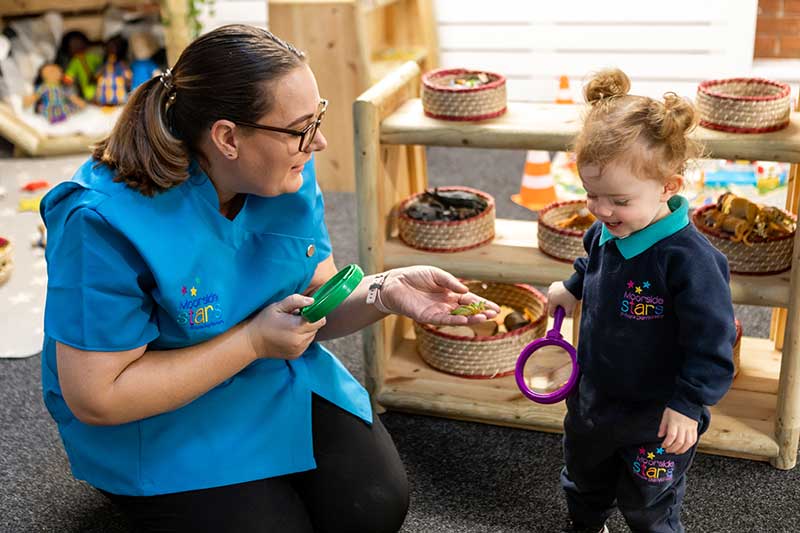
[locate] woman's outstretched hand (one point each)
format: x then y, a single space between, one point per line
428 294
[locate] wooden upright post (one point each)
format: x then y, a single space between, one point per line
384 175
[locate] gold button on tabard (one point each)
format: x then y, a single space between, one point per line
310 250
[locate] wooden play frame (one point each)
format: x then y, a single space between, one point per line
27 140
758 419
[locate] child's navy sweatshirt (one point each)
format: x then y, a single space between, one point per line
657 318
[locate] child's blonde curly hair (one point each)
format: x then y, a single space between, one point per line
648 136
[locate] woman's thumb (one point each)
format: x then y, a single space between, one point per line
293 302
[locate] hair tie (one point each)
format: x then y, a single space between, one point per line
166 80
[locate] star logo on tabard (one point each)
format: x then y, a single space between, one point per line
630 284
660 451
183 289
641 450
646 284
194 291
638 290
651 455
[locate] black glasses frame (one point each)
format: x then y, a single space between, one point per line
306 135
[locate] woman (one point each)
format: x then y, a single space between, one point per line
184 383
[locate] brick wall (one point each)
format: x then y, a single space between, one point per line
778 29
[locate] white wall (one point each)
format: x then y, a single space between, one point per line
662 46
224 12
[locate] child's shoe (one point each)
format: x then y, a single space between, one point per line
572 528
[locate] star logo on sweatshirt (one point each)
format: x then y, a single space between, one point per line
638 290
651 455
660 451
630 284
646 284
641 451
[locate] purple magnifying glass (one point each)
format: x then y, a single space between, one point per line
552 338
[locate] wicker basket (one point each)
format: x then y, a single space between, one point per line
441 101
761 256
743 105
447 235
561 243
737 348
485 357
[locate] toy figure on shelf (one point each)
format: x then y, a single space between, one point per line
143 67
114 77
6 264
81 63
52 99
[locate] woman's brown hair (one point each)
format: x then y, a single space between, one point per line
652 135
218 76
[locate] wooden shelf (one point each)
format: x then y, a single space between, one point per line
30 7
553 126
759 418
514 256
742 423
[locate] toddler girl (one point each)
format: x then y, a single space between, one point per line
657 327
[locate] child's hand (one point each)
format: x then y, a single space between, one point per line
680 430
557 295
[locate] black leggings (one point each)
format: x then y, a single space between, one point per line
359 485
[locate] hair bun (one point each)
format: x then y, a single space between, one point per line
677 118
609 83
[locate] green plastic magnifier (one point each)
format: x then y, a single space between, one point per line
333 292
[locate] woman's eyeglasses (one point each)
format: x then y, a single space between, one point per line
306 135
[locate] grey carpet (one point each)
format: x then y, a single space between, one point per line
465 477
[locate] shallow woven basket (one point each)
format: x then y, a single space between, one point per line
485 356
447 235
441 101
743 105
560 243
737 348
759 257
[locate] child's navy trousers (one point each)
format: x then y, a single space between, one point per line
613 457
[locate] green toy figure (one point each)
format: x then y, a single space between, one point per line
82 63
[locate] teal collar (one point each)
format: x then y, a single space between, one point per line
638 242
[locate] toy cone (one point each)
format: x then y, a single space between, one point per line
537 188
564 95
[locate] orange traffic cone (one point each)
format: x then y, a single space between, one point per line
564 95
537 188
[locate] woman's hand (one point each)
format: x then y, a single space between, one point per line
557 295
427 294
680 431
278 332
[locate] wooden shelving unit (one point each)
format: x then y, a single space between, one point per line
758 419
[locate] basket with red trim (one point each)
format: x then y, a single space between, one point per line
757 256
486 356
558 236
454 94
743 105
447 235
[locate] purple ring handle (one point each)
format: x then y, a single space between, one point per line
552 338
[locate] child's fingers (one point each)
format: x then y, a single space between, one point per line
672 434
